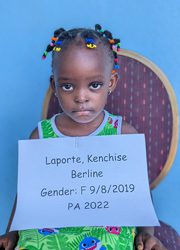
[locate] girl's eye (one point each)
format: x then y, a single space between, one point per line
95 85
67 87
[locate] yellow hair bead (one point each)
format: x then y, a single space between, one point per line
91 46
57 49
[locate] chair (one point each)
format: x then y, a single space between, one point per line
145 99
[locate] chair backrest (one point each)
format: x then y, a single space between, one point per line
145 99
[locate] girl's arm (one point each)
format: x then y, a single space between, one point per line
145 238
34 135
9 240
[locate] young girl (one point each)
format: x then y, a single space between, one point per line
84 64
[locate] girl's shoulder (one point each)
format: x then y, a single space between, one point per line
34 134
125 127
128 128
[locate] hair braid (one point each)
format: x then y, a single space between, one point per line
53 41
99 29
115 46
91 38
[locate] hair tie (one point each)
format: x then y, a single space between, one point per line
97 27
44 55
118 46
116 60
57 49
111 41
54 39
91 39
116 66
58 42
90 43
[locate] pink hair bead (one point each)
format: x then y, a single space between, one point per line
116 60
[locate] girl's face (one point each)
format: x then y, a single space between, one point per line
82 80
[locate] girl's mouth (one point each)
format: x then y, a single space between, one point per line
83 112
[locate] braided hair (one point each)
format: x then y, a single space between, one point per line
85 37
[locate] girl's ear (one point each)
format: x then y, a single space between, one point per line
52 83
113 82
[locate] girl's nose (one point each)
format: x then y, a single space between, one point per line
81 96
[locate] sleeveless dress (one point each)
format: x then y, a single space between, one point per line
78 238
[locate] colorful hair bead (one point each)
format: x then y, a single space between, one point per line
116 60
57 49
89 40
98 28
44 55
115 45
118 46
90 43
54 39
111 41
58 42
91 46
92 39
116 66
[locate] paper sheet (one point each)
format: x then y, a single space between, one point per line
83 181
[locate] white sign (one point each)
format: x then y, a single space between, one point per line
83 181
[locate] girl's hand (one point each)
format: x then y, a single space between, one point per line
9 241
145 241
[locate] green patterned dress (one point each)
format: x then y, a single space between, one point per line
78 238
